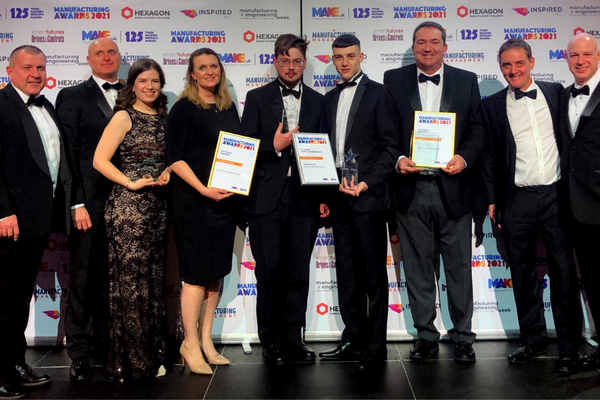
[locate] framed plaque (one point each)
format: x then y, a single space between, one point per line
315 159
432 141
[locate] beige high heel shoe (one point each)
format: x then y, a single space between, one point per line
194 360
217 360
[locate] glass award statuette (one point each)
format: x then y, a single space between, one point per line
350 170
150 162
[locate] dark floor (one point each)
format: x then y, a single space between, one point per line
492 377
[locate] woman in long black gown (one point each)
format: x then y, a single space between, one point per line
135 216
204 217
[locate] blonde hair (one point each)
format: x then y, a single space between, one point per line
190 91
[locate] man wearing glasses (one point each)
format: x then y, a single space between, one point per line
282 215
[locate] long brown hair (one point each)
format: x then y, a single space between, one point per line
126 98
190 91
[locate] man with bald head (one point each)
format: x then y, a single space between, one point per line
84 111
35 193
580 165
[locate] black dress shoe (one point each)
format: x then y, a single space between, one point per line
272 355
28 377
371 361
424 349
11 392
568 363
526 353
80 370
464 353
299 352
590 362
343 351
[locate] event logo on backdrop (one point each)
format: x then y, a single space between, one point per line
129 13
81 13
26 12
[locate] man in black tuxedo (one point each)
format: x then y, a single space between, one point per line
84 111
282 215
359 116
521 175
580 165
35 193
435 207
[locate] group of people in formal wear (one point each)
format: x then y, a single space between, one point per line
103 166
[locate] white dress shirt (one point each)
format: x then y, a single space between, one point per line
50 136
291 105
537 159
110 94
341 121
577 104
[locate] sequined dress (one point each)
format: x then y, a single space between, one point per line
136 230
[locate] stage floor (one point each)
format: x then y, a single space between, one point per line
491 377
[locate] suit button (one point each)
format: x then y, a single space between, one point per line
572 147
597 171
572 169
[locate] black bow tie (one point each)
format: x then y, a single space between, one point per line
424 78
286 92
344 85
532 94
584 90
36 101
116 86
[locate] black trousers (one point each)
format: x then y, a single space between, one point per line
533 211
87 300
586 238
361 268
425 224
282 243
19 266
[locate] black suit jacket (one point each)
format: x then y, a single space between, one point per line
372 133
25 181
262 114
460 95
580 159
501 151
84 113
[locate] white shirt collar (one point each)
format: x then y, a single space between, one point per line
439 71
101 81
592 83
533 86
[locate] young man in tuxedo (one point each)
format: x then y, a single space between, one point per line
435 207
521 175
282 215
84 111
580 165
35 193
359 116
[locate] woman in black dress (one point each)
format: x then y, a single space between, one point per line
204 217
135 216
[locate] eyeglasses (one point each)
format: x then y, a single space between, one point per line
284 62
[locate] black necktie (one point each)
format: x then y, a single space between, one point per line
584 90
116 86
424 78
344 85
532 94
36 101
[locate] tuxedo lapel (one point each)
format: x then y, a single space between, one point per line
552 101
411 87
448 90
98 97
34 140
564 112
305 107
592 103
506 131
334 107
360 90
276 101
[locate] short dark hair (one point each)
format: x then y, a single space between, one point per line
26 48
429 24
514 43
288 41
126 96
345 40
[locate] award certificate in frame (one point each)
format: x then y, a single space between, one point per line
432 141
233 163
315 159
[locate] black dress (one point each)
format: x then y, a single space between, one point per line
204 229
136 231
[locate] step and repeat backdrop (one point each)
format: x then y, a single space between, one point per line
243 33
